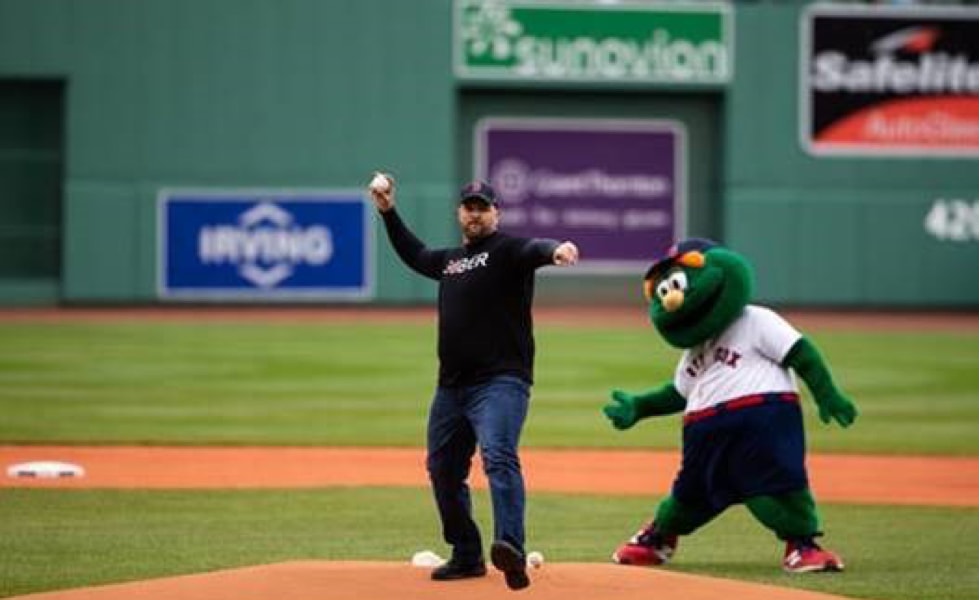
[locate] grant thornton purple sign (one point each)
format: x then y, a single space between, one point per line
615 187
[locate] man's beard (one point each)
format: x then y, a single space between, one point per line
476 231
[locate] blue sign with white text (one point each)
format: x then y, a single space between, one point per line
259 245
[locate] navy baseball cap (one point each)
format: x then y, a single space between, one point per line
682 247
478 190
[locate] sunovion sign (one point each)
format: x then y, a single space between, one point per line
889 81
615 187
263 245
667 43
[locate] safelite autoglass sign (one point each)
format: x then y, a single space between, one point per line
623 42
889 81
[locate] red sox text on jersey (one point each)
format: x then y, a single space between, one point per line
723 355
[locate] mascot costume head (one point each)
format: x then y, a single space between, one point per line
696 291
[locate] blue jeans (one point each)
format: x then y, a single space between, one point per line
489 414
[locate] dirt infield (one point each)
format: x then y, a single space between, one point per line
856 479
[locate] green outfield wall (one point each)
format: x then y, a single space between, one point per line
105 103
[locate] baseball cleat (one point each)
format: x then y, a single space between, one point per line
648 548
512 562
454 570
806 556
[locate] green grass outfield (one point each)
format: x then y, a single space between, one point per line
370 384
324 383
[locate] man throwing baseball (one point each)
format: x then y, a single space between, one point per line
486 359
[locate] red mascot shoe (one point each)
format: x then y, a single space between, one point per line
647 548
806 556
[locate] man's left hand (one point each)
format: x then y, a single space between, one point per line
566 254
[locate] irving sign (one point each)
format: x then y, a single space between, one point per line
263 245
889 81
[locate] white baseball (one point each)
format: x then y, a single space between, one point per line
535 559
380 183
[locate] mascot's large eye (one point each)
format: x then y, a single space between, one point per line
675 281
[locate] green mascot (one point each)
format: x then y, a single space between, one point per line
743 437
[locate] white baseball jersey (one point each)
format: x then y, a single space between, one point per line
742 361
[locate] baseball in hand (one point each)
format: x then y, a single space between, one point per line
380 183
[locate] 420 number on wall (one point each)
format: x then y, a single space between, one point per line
952 220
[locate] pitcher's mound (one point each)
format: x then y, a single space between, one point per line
316 580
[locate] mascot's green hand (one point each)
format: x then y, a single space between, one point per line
622 410
838 407
626 408
806 360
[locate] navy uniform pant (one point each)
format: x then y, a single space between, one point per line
754 456
489 415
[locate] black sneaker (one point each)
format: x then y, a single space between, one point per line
453 570
512 562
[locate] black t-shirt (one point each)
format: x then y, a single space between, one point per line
485 294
